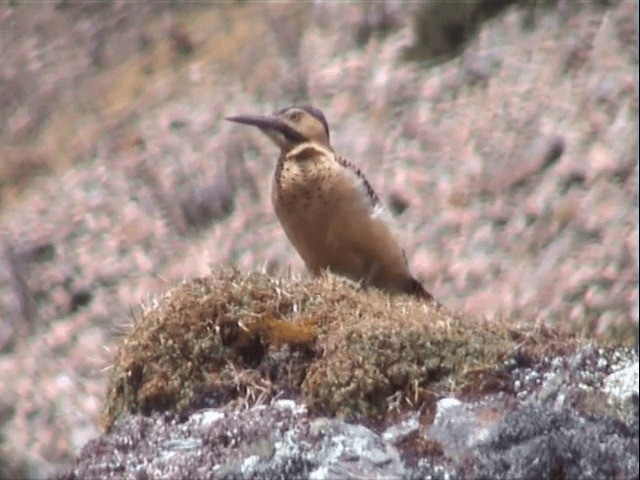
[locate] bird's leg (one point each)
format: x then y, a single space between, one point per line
374 269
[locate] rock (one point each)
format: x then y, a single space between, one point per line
530 435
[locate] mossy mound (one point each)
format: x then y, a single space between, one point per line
345 350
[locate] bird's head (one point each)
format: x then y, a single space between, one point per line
290 127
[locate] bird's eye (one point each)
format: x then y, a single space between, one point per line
294 116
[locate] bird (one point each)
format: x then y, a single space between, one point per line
328 209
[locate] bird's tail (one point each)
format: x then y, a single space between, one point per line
416 289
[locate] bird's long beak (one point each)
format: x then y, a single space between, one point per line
272 126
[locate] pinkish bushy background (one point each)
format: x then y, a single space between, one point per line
511 169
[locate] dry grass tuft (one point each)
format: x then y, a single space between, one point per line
245 338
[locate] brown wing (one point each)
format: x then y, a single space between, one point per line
373 196
375 200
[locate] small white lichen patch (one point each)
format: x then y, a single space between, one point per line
621 384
